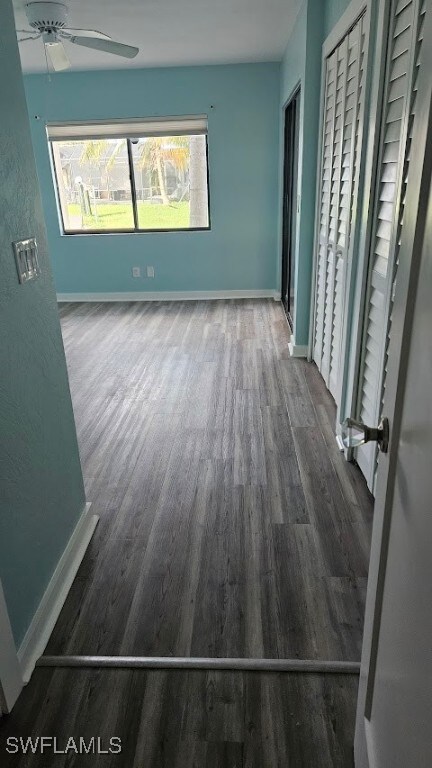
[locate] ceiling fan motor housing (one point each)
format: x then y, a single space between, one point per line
47 16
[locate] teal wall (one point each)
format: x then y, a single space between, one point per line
239 252
292 75
41 488
302 63
294 60
333 11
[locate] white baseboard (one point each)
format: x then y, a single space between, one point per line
42 625
297 350
263 293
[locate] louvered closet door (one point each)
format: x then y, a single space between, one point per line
343 112
404 46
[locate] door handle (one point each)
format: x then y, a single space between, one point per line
355 433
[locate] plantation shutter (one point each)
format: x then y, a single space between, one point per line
399 107
343 111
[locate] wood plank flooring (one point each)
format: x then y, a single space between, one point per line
187 719
230 526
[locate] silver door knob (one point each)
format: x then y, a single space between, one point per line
355 433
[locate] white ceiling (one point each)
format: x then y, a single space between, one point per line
173 32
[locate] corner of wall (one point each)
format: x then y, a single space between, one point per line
302 63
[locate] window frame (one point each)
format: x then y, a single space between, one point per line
136 230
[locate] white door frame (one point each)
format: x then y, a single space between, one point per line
402 317
355 9
11 682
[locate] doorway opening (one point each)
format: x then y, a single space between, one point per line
290 206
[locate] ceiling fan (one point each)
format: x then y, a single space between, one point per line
49 22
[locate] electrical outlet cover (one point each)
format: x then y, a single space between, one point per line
136 272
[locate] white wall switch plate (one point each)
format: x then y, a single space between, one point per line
26 259
150 271
136 271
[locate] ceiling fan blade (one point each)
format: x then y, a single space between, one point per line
30 37
86 32
57 55
109 46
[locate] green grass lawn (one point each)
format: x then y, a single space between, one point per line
120 216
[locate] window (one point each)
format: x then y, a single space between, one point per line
134 176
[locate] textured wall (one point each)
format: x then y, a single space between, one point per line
240 250
41 489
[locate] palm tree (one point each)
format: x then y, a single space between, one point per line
94 151
157 151
182 152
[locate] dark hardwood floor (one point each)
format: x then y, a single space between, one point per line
230 526
187 719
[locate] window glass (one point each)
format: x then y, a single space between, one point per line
131 184
93 184
170 175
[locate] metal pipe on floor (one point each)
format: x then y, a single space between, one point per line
171 662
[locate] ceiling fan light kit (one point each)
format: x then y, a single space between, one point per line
46 16
48 20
